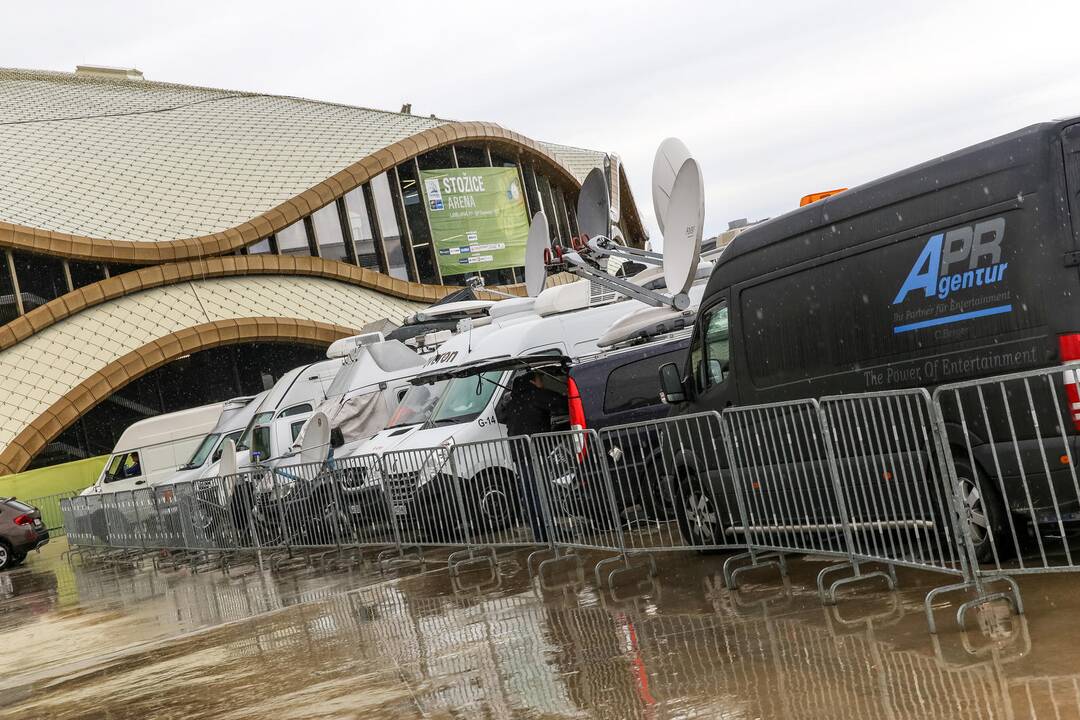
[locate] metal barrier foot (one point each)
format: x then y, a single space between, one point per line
1011 596
890 580
536 556
579 570
463 558
628 568
757 562
399 557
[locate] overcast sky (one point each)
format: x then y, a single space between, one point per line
775 99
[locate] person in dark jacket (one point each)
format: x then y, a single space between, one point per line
527 411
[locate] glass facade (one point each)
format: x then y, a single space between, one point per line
416 217
368 251
328 234
293 240
197 379
381 225
386 217
41 278
84 273
9 304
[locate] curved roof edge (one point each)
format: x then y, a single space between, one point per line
114 376
146 252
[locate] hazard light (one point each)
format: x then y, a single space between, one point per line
814 197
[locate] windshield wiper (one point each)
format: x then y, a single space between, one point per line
453 420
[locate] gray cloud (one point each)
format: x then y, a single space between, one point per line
775 99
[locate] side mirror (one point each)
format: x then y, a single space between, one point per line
671 386
337 438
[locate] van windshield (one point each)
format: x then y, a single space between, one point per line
465 398
260 419
417 404
202 452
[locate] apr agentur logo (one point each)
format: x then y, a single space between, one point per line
962 270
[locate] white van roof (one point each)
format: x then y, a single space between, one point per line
169 427
237 418
297 382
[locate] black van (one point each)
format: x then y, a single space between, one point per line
965 266
616 388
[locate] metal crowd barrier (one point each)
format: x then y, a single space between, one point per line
978 482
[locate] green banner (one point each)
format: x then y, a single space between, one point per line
478 218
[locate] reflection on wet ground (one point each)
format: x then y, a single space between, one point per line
303 643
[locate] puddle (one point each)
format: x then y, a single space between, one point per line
299 643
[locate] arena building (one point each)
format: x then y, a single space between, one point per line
165 246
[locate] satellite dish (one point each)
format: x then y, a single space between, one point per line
670 156
316 440
685 216
593 205
535 248
227 464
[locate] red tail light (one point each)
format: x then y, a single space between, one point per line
1069 350
24 520
577 414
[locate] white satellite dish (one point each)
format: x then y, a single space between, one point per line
227 463
316 439
535 248
685 217
594 206
670 156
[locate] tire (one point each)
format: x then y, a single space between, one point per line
982 504
7 557
495 504
697 513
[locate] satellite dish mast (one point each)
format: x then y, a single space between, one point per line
316 440
670 157
594 222
682 246
536 249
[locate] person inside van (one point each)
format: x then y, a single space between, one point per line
527 411
132 467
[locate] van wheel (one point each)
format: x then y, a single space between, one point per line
495 502
984 513
697 514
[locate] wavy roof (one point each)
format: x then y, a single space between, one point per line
141 160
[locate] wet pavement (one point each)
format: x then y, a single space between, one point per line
342 641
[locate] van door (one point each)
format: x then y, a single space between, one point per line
124 472
1070 147
706 492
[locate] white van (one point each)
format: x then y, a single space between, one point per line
415 406
234 420
364 394
149 451
277 421
563 326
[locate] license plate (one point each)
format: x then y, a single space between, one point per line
37 523
399 510
356 509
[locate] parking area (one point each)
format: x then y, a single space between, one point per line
312 636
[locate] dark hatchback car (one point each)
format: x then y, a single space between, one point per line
21 530
607 391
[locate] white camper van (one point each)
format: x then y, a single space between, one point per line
149 451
